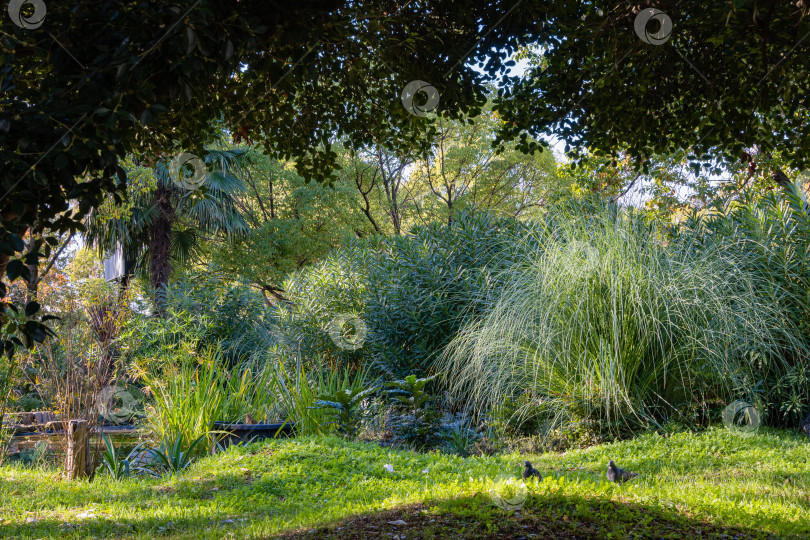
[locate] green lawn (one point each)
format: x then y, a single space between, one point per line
752 485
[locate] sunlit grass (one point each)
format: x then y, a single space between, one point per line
758 481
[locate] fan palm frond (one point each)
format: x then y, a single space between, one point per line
210 208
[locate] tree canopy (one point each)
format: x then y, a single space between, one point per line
716 77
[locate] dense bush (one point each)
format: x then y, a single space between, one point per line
608 324
771 239
204 310
411 293
317 296
423 286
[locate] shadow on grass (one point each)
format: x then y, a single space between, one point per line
541 517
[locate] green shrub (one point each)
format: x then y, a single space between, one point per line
317 296
30 402
200 314
346 407
411 293
186 397
296 394
461 440
417 424
422 287
248 394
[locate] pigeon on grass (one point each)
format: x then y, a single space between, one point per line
615 474
530 471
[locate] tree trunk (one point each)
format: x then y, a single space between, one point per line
79 458
160 245
33 273
779 176
272 202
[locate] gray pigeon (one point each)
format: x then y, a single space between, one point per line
615 474
530 471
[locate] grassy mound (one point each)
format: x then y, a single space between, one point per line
714 483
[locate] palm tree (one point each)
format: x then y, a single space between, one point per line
171 212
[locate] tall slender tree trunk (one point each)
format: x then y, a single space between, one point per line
160 245
33 273
272 201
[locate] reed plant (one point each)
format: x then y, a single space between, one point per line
249 396
187 397
298 391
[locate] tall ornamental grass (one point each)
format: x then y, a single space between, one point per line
607 323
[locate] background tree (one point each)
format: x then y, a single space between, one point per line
100 80
665 188
291 223
382 180
464 169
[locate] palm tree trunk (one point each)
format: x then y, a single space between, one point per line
160 243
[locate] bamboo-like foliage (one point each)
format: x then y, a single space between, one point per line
606 322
